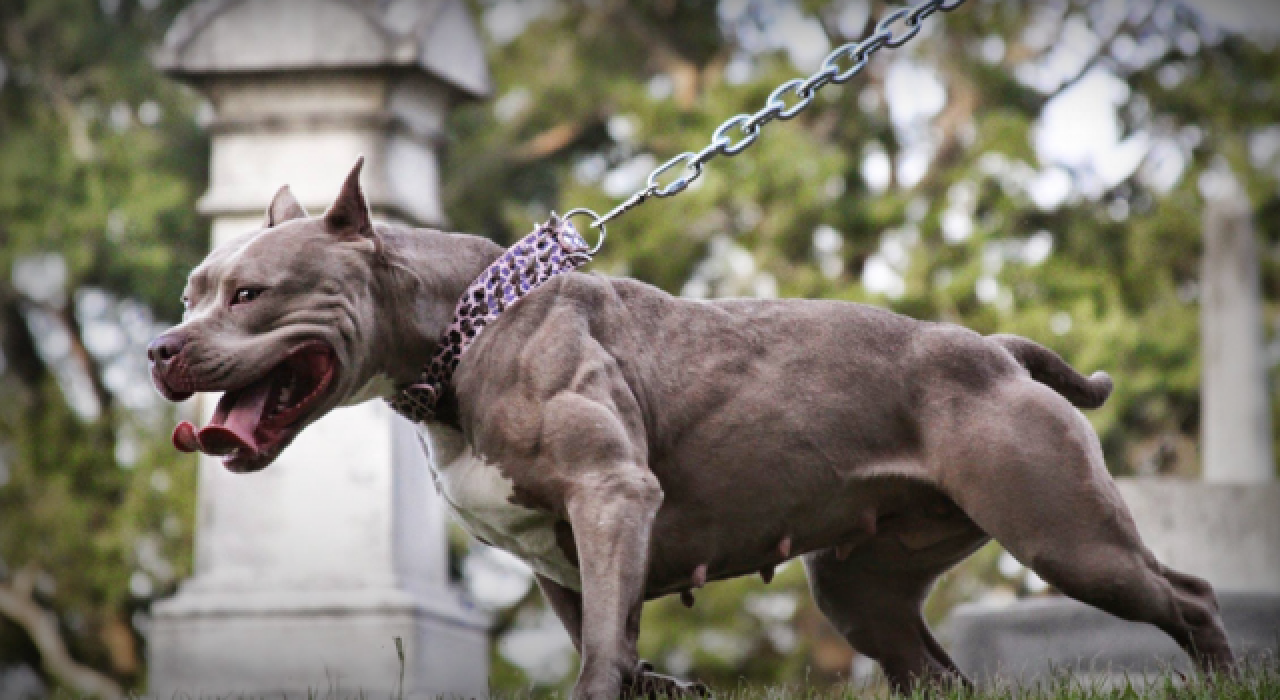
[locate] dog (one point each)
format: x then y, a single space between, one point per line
629 444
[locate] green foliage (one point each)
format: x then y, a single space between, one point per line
100 163
100 159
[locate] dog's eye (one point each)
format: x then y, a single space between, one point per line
244 295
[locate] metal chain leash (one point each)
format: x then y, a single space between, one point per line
839 67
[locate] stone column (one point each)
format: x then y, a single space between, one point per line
307 571
1235 435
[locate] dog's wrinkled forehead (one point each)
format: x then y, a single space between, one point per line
291 244
265 257
239 261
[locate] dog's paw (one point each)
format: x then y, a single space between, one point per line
648 684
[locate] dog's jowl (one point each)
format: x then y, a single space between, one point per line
629 444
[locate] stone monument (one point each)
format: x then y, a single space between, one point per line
1225 528
308 571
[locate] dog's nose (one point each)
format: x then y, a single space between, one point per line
165 348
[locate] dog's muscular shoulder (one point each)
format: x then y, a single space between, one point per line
538 398
543 393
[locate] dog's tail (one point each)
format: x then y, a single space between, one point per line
1048 368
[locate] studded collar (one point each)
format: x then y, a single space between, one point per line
552 248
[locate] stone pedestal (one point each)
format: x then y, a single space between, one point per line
307 572
1226 533
1036 639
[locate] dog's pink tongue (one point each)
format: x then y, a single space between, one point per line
184 437
235 430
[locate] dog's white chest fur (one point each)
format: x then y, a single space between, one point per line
480 496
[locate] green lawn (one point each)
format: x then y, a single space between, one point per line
1258 682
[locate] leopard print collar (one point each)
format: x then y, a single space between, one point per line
551 249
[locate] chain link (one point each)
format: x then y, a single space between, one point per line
746 127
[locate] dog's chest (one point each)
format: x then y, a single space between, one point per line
480 495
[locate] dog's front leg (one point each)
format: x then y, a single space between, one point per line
567 605
648 683
611 511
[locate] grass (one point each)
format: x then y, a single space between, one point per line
1259 681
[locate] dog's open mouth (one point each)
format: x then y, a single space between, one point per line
252 423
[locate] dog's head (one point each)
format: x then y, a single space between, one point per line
277 319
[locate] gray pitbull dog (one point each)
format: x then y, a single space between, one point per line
629 444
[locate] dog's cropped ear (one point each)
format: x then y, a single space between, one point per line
284 207
348 216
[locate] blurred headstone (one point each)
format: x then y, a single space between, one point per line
308 571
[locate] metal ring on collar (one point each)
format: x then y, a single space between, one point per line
733 149
687 159
596 223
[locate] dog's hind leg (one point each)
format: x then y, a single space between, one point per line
1027 468
878 611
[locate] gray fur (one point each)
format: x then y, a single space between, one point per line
676 440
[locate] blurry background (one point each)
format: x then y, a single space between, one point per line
1037 168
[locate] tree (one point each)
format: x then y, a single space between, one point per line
100 163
